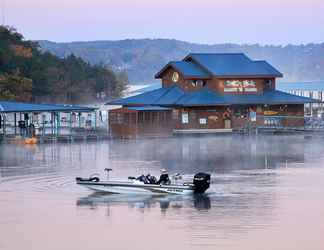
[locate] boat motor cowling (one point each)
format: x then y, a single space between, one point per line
201 182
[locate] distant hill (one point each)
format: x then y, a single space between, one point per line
142 58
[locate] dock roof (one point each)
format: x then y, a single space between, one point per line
17 107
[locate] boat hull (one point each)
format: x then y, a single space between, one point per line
131 188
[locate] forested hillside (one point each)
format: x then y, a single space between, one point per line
28 74
143 58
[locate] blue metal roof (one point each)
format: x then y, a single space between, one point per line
174 96
149 108
268 97
187 69
203 97
232 64
171 97
305 86
206 97
161 96
146 98
7 107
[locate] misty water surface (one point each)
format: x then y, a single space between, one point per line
267 193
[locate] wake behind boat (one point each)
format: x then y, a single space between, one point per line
147 185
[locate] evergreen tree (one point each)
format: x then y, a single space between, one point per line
27 74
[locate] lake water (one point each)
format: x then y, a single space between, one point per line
266 193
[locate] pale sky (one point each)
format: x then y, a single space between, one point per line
202 21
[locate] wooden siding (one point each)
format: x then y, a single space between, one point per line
216 84
185 84
126 123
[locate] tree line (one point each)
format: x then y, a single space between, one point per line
28 74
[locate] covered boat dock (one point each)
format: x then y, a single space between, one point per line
47 121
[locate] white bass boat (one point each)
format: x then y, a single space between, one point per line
200 184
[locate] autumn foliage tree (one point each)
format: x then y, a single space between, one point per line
27 74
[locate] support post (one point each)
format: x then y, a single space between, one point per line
95 119
136 121
52 122
58 123
43 123
79 115
1 114
4 124
15 121
70 123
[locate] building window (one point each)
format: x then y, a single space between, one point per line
192 115
140 117
241 112
175 114
203 121
147 117
198 83
126 118
120 118
268 84
155 116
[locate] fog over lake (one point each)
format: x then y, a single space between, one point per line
267 192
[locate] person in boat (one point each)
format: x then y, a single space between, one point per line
148 179
143 178
164 178
151 179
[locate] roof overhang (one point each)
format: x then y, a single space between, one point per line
185 76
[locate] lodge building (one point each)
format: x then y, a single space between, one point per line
208 93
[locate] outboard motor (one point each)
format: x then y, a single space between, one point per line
201 182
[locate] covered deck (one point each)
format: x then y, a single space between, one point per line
47 121
134 121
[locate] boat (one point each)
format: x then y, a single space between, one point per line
200 183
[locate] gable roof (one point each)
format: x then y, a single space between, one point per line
187 69
232 64
174 96
8 106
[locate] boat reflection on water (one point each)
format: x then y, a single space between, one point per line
142 202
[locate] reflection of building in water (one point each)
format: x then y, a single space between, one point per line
213 154
178 155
